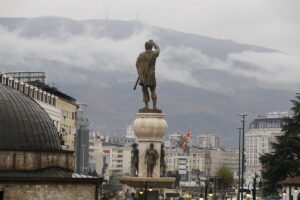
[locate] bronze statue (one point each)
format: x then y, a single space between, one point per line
177 180
150 159
145 66
163 165
134 160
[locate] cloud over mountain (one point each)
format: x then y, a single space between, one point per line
94 60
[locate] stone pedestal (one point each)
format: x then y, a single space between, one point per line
149 128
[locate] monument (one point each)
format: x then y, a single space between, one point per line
134 160
149 128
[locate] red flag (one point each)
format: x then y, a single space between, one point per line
186 140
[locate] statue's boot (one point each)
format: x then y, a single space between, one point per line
146 106
154 103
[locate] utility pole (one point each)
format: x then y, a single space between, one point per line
243 152
254 186
239 173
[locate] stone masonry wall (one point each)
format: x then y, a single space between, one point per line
48 191
23 160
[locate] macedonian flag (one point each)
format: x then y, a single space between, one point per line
186 140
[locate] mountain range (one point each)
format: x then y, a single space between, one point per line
202 82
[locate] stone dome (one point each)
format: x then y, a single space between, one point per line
24 125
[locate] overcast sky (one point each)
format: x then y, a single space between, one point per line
270 23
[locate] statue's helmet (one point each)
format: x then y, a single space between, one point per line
151 145
134 145
148 45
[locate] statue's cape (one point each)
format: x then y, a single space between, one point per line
145 69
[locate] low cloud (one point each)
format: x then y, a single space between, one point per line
183 64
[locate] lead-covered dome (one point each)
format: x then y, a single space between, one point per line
24 125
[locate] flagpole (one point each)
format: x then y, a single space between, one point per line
189 156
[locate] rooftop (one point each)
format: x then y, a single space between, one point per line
24 125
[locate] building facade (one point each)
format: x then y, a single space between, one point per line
28 76
130 132
96 153
33 164
67 123
45 99
68 109
199 163
230 160
82 139
202 159
208 141
258 140
117 159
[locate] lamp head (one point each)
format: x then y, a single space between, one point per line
295 189
210 193
284 192
248 194
201 197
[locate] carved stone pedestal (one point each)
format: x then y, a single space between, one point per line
149 128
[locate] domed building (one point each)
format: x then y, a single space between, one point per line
32 162
258 140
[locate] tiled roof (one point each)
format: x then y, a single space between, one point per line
24 124
291 181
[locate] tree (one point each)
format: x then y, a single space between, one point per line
284 161
227 177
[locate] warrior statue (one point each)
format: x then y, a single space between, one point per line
145 66
134 160
150 159
163 165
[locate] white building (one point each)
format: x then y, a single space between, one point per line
130 132
208 141
46 100
28 76
175 140
230 160
258 140
200 162
116 160
96 153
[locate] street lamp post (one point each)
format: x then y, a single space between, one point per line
207 192
243 152
239 173
254 185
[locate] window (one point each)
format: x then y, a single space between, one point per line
120 156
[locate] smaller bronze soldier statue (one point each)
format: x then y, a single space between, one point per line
150 159
134 160
177 180
163 165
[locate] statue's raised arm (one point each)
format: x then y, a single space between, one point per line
145 66
156 47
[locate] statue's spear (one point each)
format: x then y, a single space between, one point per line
137 81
